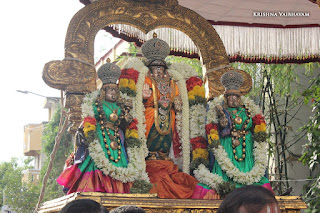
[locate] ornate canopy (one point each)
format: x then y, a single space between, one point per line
76 74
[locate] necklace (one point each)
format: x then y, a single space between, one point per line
105 128
114 115
164 109
237 134
237 119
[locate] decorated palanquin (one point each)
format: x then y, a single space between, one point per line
172 146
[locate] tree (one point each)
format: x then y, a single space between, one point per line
277 89
53 189
19 196
311 152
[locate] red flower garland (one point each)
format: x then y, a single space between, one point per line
258 119
198 143
192 82
133 124
210 126
91 120
130 74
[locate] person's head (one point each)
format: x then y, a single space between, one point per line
111 92
128 209
83 206
232 81
250 199
233 100
158 69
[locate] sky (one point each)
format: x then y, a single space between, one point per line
32 34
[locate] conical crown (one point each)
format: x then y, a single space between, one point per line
109 73
232 80
155 48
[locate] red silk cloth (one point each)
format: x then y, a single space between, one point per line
168 182
93 181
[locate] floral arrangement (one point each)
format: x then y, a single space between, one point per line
196 91
260 129
259 153
134 170
213 135
128 80
197 104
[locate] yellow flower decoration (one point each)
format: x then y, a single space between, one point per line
132 133
200 153
87 127
260 128
132 84
191 95
124 82
213 131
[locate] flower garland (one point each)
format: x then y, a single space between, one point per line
135 169
197 102
175 72
259 153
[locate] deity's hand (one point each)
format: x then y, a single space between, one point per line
146 91
128 116
223 121
219 110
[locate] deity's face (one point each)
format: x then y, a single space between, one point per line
112 92
157 71
233 100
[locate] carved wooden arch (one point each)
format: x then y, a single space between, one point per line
76 73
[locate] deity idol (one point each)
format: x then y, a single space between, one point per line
237 132
168 108
100 140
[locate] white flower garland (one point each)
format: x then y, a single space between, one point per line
203 175
178 72
183 69
138 101
129 174
175 72
259 153
197 121
136 167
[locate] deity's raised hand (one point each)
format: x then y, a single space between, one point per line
223 121
146 91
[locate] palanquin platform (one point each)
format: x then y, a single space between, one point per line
151 203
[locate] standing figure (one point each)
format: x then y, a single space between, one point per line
161 101
237 136
100 139
237 130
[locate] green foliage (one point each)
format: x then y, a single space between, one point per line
141 187
53 189
196 163
225 188
277 89
20 196
311 151
194 63
133 142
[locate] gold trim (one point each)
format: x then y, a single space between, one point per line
156 113
150 203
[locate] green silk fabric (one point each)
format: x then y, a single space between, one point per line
88 164
245 165
158 142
